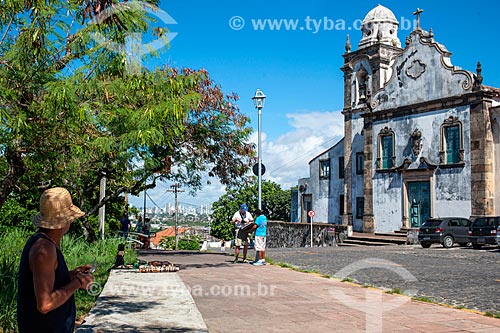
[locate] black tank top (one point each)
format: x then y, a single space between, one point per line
29 319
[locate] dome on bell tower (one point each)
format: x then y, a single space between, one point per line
379 26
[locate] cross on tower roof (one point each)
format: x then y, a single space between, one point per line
417 14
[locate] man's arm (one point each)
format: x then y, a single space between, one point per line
43 264
249 217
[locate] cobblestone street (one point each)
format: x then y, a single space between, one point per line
461 277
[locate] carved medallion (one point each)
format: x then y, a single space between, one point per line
416 69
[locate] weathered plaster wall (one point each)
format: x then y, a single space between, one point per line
326 192
451 193
357 180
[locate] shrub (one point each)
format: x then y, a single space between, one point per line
185 243
76 251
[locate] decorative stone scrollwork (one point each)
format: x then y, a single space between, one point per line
386 130
442 157
450 121
416 137
466 85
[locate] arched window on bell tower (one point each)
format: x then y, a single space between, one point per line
361 82
362 85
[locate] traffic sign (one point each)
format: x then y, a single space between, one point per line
310 213
255 169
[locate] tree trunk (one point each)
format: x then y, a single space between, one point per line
16 170
88 230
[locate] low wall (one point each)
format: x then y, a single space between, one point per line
288 234
412 236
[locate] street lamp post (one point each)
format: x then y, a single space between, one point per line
258 101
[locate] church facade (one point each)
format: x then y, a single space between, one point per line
421 137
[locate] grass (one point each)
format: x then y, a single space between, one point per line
493 314
79 252
423 299
395 291
285 265
76 252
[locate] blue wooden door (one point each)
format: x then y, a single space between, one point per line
419 204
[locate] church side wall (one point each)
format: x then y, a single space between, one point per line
326 192
336 185
357 179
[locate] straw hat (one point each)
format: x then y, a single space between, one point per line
56 209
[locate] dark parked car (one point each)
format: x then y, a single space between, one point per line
484 231
445 231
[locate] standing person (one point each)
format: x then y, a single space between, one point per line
138 226
146 230
260 237
45 300
240 219
125 225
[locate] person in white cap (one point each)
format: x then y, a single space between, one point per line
240 219
45 300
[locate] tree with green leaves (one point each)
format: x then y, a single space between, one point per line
72 112
275 205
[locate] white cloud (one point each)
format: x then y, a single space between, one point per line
286 158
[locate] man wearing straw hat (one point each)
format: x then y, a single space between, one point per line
45 298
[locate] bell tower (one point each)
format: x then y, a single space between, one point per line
366 70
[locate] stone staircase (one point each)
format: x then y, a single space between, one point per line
397 237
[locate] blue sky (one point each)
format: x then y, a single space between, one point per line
299 68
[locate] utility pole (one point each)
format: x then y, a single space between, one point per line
102 210
176 189
144 217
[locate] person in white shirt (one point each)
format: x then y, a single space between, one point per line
240 219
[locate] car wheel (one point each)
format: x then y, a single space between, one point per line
425 245
477 246
448 241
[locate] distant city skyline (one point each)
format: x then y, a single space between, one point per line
169 208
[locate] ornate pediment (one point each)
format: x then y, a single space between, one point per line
423 165
422 72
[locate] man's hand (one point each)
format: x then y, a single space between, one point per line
85 279
79 269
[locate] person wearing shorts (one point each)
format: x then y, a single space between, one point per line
260 237
240 219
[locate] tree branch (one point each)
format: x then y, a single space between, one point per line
7 30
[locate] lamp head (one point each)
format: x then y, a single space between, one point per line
259 99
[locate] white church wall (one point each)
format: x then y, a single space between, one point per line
336 184
326 192
357 180
451 194
387 205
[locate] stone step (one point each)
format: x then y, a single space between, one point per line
357 242
391 234
374 238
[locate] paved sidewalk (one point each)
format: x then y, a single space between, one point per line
242 297
143 302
